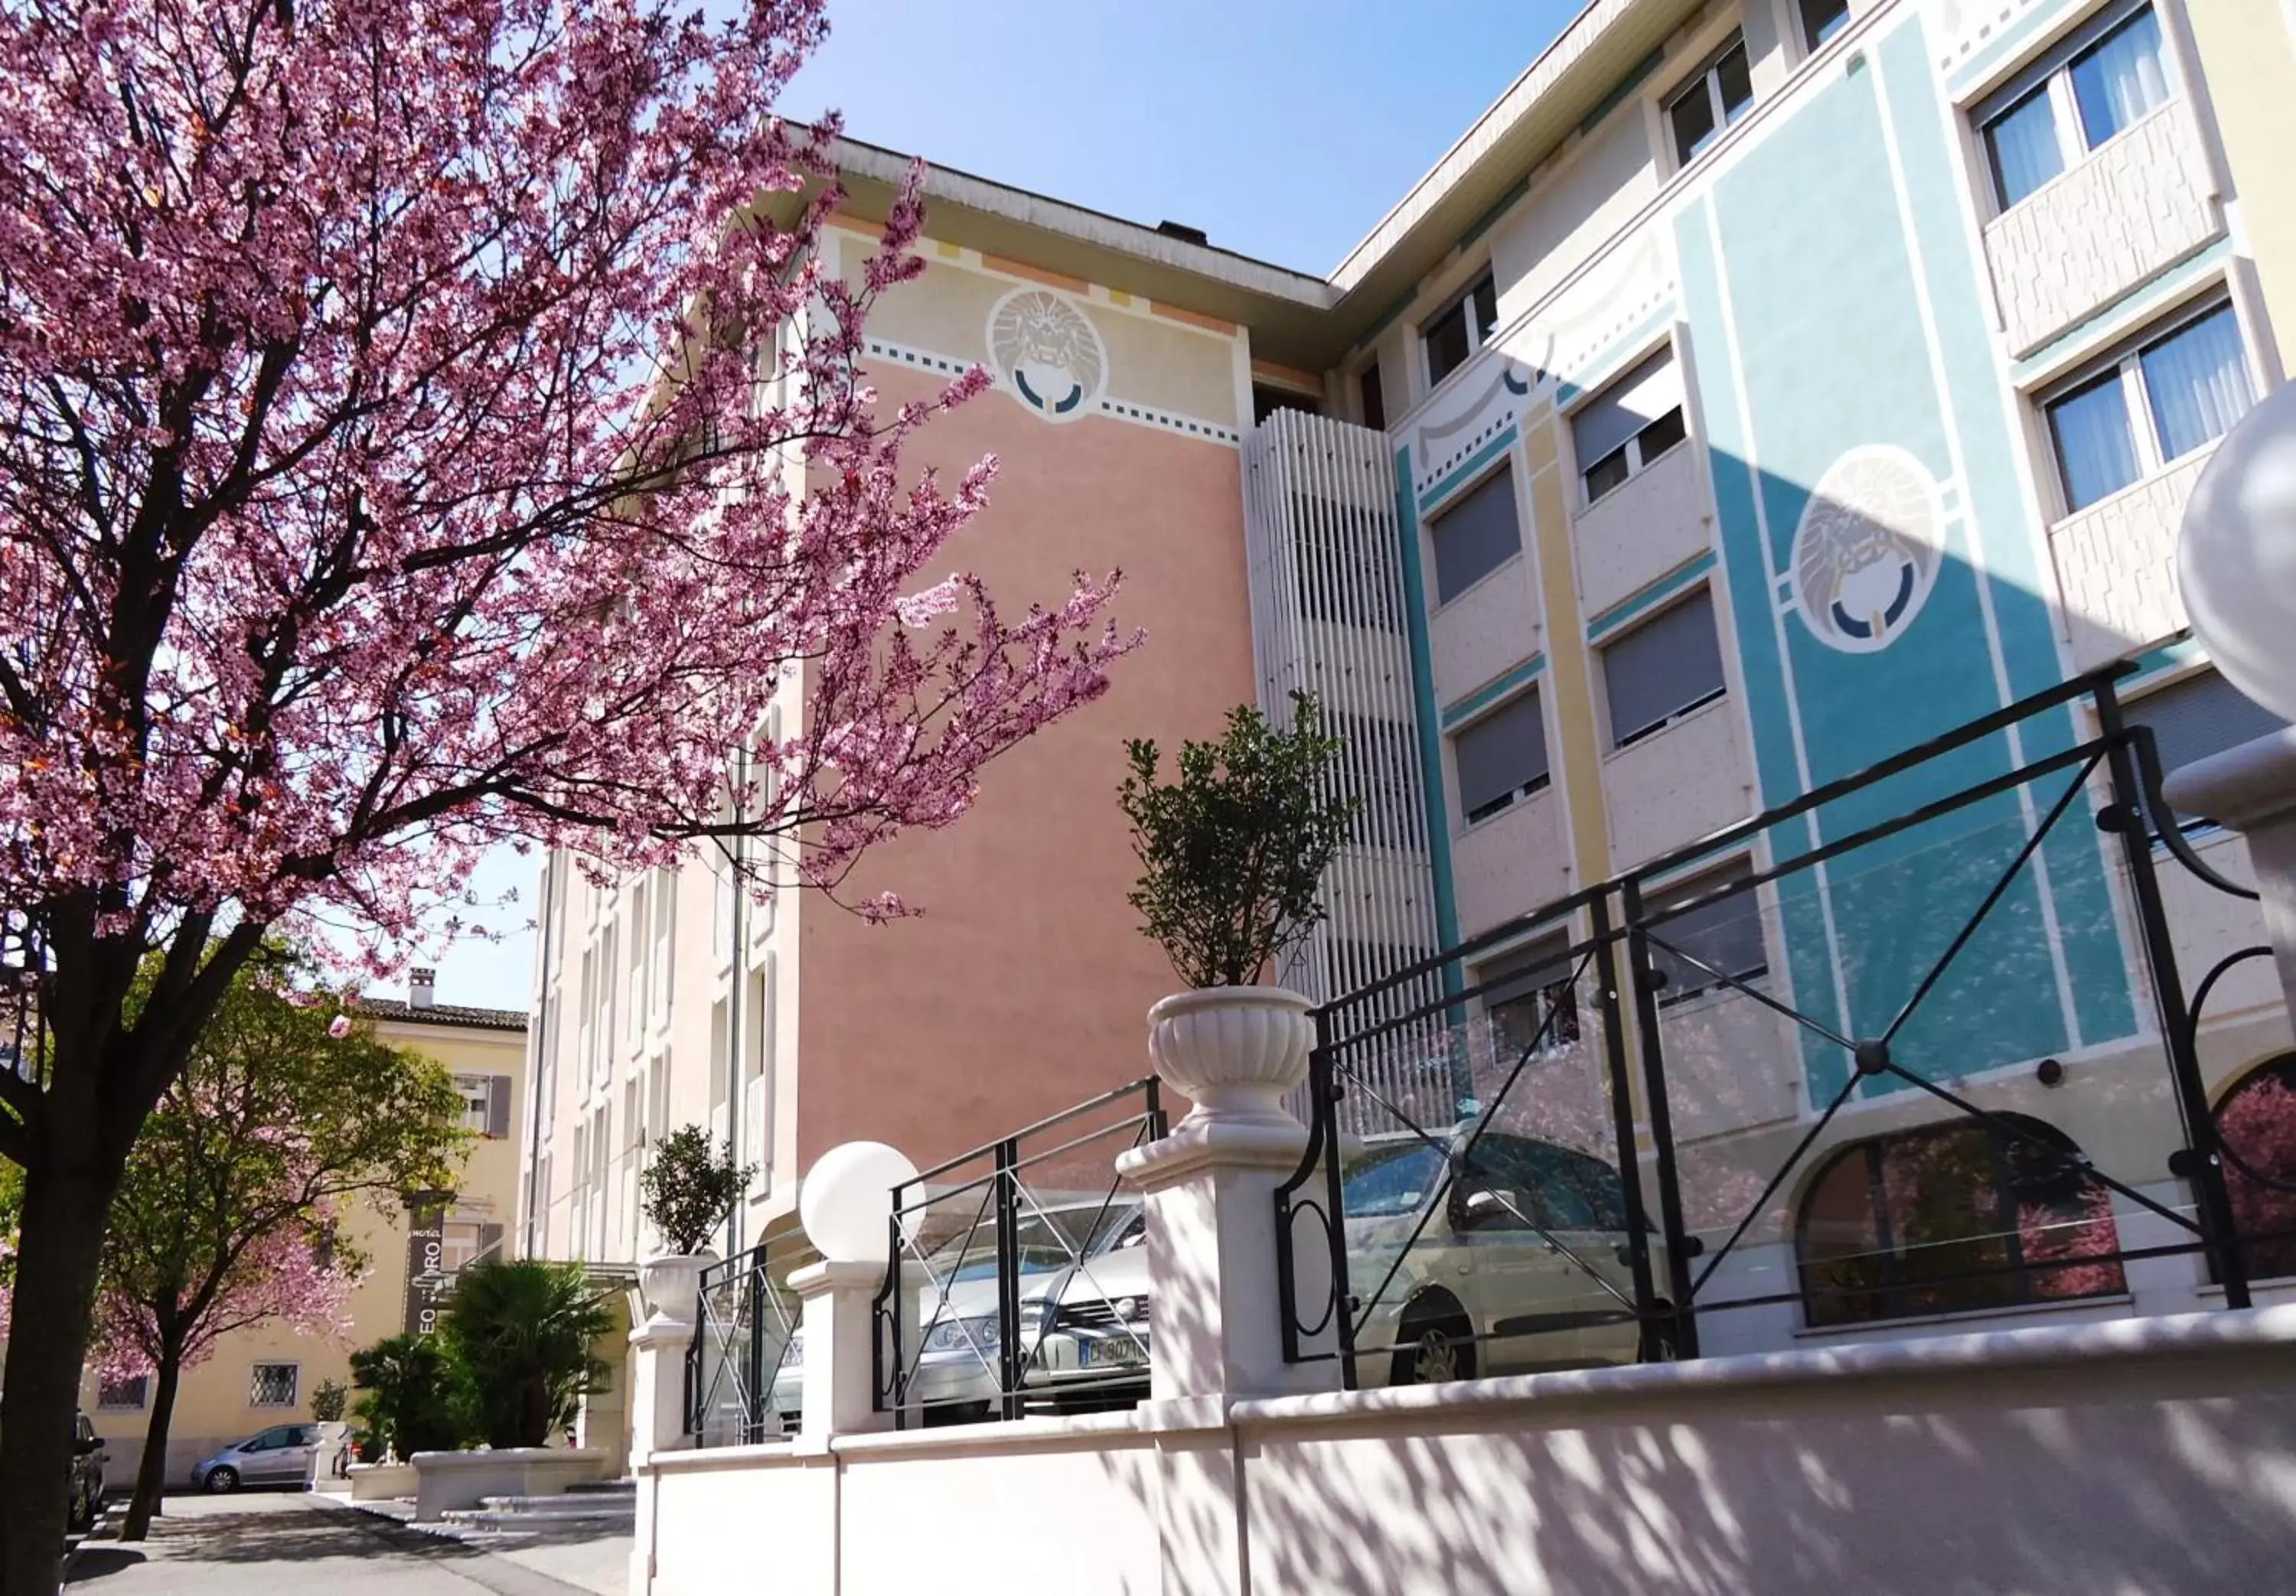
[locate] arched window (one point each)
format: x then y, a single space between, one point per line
1953 1218
2257 1123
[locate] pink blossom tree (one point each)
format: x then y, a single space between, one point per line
424 428
229 1212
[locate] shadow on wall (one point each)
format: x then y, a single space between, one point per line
2006 1483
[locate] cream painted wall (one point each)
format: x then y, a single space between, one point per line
1641 529
2247 50
1513 862
1483 632
1677 785
211 1406
2095 1457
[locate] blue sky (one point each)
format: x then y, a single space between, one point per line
1283 128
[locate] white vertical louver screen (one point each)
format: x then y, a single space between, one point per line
1324 559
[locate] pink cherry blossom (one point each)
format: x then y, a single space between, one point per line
424 427
339 1027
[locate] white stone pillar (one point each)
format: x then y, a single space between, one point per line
658 1349
2252 789
1215 1314
839 1321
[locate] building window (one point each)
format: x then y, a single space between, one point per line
1501 758
2159 400
486 1104
1267 399
1530 999
1476 536
1461 328
2102 79
1821 19
2256 1124
1717 94
1370 399
129 1396
1663 669
2197 716
1630 423
1694 951
274 1385
1956 1218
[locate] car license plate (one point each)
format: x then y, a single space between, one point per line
1115 1351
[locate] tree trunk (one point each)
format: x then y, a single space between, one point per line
151 1472
67 1196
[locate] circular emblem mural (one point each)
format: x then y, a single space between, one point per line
1865 551
1047 352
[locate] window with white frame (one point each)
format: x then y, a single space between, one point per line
275 1385
130 1395
1475 535
1630 423
659 960
486 1104
1715 95
2102 79
635 993
2178 388
1662 669
1530 1000
1821 19
1460 328
1501 758
2194 716
1717 935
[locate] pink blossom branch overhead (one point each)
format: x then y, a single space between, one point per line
425 427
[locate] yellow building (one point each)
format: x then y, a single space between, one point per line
265 1376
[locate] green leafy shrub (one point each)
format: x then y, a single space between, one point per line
1231 853
518 1337
688 1189
329 1398
406 1402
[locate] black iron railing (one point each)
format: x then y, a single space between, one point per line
743 1375
1806 1067
1016 1279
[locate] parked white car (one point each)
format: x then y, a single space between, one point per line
1522 1267
1083 1292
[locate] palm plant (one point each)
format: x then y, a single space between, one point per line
403 1383
518 1336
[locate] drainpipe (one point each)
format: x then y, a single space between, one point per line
538 1042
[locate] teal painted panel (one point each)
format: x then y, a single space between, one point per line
2020 575
1826 294
1430 732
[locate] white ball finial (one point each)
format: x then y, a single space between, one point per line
2236 558
846 1199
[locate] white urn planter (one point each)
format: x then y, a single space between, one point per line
671 1284
1234 1052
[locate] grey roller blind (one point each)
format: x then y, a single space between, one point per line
1663 666
1724 936
499 1106
1625 408
2199 716
1500 755
1475 536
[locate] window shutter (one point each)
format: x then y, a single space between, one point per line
498 1107
2199 716
1661 667
489 1244
1501 753
1626 406
1475 536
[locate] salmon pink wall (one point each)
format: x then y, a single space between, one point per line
1023 985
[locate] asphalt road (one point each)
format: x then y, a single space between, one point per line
288 1544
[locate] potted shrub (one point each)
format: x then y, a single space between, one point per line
688 1190
1232 852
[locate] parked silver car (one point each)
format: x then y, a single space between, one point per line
1083 1292
278 1456
1522 1266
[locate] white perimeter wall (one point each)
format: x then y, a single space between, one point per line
2123 1459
